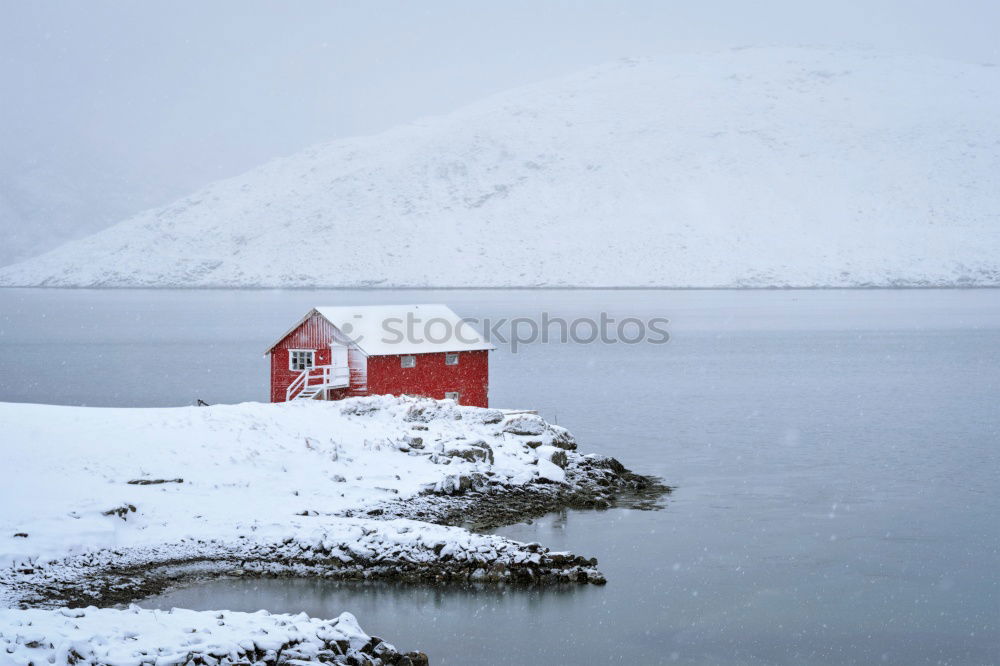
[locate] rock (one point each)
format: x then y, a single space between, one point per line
371 645
473 452
414 659
492 416
120 511
562 438
480 482
549 472
553 454
470 454
458 484
414 442
453 485
360 407
535 443
524 424
421 412
481 444
608 462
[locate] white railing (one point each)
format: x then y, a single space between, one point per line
318 378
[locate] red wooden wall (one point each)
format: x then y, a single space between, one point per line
314 333
432 378
385 374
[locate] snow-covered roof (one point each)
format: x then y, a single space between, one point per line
382 330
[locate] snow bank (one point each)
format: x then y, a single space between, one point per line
345 549
97 478
291 483
135 636
746 167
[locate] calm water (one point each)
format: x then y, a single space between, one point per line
835 452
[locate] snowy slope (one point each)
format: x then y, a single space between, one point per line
752 167
91 479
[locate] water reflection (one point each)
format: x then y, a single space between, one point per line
321 597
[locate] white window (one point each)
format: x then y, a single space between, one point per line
452 395
451 358
408 361
300 359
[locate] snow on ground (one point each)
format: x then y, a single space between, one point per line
136 636
97 499
131 485
747 167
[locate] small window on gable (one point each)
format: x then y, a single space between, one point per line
300 359
451 358
408 361
452 395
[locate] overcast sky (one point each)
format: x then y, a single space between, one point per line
113 107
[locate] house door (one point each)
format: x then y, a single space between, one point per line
338 365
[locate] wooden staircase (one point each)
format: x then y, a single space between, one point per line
313 381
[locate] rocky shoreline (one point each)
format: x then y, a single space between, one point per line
119 577
140 637
592 482
446 476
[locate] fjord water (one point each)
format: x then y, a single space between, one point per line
836 456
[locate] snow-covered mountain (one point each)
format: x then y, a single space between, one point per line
750 167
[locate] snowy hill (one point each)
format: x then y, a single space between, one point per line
753 167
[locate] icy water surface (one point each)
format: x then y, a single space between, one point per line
836 455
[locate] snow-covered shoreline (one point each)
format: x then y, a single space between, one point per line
178 636
111 505
350 549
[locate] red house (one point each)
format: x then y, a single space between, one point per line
337 352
